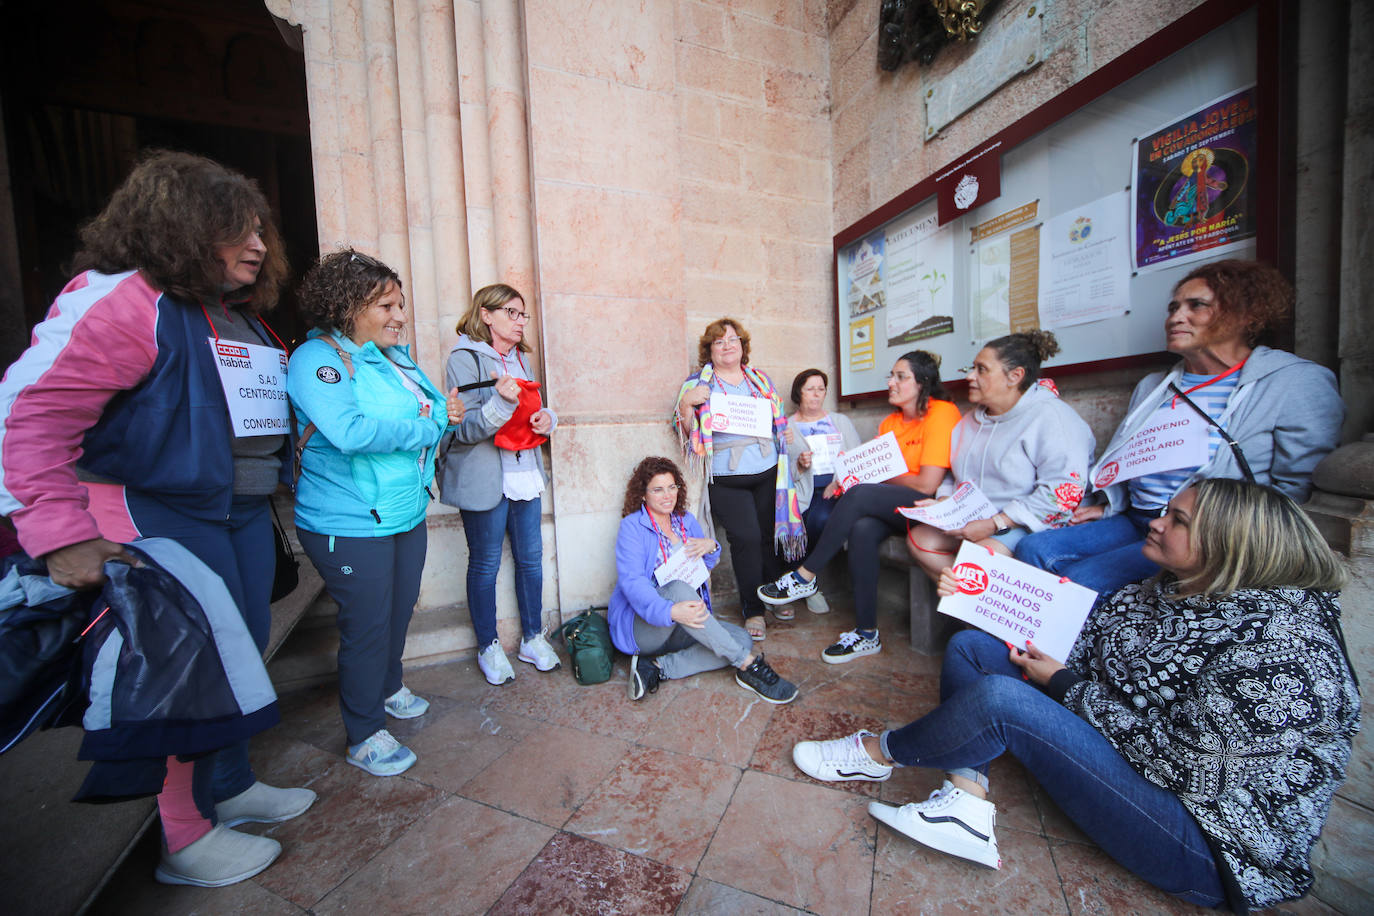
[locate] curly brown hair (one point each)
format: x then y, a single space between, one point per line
168 217
340 287
647 470
1251 296
715 331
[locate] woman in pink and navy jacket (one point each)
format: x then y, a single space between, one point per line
116 425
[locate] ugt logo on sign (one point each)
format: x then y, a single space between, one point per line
970 578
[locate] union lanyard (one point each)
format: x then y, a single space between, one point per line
518 358
715 377
211 323
1213 380
682 533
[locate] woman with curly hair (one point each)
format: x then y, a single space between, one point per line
1271 417
117 426
666 627
369 422
1196 732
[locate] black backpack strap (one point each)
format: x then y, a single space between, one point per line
1235 446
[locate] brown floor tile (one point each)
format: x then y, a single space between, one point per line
312 715
707 898
573 875
659 805
804 845
794 723
1095 884
458 680
464 742
548 773
355 817
543 695
725 727
607 709
457 860
911 878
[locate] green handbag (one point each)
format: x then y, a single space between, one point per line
588 640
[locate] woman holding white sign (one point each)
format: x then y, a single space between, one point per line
1025 449
1252 413
660 613
119 423
866 514
731 423
826 435
1197 733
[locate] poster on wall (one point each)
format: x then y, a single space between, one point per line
919 295
1000 286
1084 271
1192 194
865 272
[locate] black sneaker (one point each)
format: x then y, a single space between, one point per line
852 645
644 677
763 680
787 589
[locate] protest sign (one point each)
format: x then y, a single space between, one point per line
1175 437
824 447
742 416
1016 602
966 504
679 566
875 460
254 381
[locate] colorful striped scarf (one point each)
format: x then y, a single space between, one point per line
789 533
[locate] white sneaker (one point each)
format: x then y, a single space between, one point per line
381 755
405 705
840 760
494 664
951 821
537 652
817 604
263 804
221 857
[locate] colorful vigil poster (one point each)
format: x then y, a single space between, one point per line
1193 193
920 259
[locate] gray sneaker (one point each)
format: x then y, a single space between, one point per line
763 680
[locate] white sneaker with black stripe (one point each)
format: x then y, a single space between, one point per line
840 760
950 820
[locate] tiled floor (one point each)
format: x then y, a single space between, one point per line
546 797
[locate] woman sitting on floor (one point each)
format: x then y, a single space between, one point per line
668 629
1197 733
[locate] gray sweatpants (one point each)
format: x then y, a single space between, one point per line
685 651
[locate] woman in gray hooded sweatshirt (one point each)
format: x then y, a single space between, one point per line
1026 450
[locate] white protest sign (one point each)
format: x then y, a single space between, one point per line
1175 437
967 504
679 566
742 416
875 460
824 447
1015 602
254 381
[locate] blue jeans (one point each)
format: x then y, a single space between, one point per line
818 512
1103 555
986 709
486 531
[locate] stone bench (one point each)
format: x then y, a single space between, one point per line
930 629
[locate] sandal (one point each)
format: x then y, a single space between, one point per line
756 627
784 612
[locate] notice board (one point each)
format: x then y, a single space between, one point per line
1102 209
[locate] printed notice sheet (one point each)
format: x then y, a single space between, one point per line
966 504
876 460
742 416
1085 263
254 381
680 567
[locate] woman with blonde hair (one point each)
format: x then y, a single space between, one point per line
1197 731
493 472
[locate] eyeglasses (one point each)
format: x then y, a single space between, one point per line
722 341
514 314
661 491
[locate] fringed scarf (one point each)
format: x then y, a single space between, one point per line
789 533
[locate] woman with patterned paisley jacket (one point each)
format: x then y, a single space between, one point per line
1197 732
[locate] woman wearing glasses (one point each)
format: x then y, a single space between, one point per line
492 472
751 490
658 617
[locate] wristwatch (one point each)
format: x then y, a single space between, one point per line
999 515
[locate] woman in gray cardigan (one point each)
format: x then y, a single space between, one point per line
492 472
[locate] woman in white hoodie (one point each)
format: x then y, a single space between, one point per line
1026 450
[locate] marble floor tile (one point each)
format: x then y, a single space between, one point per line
725 727
312 715
607 709
541 695
803 845
574 875
791 724
463 743
659 805
458 680
457 860
547 774
1095 885
707 898
911 878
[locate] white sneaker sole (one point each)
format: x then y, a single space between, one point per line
946 842
371 772
165 876
786 599
857 653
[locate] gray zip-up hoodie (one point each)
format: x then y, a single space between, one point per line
1285 413
1032 461
471 475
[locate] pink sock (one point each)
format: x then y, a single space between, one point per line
182 822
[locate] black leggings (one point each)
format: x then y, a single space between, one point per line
743 503
865 516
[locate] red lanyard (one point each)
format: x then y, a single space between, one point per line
682 533
264 324
1216 378
518 358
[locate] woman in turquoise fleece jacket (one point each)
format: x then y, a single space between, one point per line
369 422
